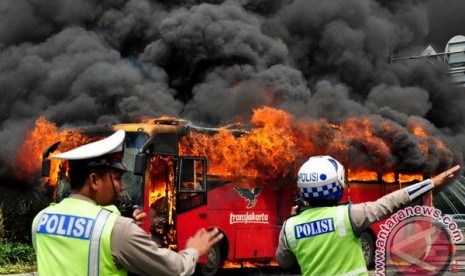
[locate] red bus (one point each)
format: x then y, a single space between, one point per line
182 195
368 186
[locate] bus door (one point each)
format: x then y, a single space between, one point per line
191 197
160 199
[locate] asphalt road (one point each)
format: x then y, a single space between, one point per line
276 271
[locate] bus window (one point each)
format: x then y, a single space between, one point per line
191 183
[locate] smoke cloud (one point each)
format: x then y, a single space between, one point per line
90 62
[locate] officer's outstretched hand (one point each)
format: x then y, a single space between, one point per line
138 214
443 177
204 240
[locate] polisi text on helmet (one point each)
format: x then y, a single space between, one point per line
310 177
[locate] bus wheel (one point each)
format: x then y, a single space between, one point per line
368 248
213 263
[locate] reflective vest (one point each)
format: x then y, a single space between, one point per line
73 238
324 243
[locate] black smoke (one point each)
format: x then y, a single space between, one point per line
212 62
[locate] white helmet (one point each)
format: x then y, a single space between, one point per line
321 178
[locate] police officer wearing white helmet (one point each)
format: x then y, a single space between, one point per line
324 238
85 234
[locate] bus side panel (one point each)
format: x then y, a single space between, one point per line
245 211
217 218
188 223
255 243
285 201
365 192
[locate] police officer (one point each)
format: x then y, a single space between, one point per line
324 239
85 234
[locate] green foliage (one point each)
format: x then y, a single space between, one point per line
18 268
16 254
15 257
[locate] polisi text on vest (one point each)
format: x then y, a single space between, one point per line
65 225
314 228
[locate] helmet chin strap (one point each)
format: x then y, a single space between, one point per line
116 199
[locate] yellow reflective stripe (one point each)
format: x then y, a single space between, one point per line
94 246
340 221
35 224
289 233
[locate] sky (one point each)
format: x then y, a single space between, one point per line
80 63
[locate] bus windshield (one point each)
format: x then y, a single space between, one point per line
132 195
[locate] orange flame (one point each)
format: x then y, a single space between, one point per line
407 178
278 143
45 133
389 177
161 201
274 148
262 153
362 175
248 264
166 118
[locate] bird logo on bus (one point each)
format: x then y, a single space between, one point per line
249 194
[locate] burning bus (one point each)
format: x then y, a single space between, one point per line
187 177
175 187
